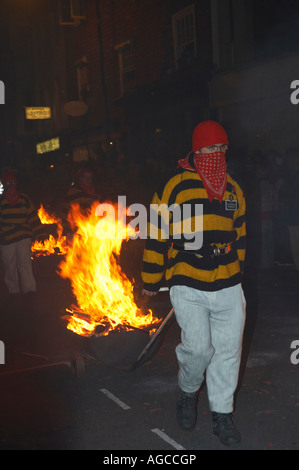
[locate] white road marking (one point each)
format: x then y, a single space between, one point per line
157 431
167 439
115 399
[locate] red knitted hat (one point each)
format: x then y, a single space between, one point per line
84 172
208 133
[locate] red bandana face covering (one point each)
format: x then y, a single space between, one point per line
211 167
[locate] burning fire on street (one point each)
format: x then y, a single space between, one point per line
104 294
53 245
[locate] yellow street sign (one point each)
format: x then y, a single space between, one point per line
38 112
48 145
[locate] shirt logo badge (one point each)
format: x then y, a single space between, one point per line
231 204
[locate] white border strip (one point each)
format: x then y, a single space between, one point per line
168 439
115 399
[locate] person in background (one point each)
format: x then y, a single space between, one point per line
19 226
83 192
205 281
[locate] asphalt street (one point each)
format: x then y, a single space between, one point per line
57 395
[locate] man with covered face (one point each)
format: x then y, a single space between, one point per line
204 281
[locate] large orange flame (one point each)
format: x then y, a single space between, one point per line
104 294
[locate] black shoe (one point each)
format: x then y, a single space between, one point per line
186 410
224 428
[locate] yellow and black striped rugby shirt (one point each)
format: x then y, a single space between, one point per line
19 221
221 223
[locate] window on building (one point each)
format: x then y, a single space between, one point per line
127 70
184 36
128 60
82 78
71 12
78 9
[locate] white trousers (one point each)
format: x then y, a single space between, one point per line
18 273
212 325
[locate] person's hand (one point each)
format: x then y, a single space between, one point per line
148 292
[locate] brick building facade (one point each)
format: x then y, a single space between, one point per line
142 96
133 77
124 79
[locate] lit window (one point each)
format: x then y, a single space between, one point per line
184 36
